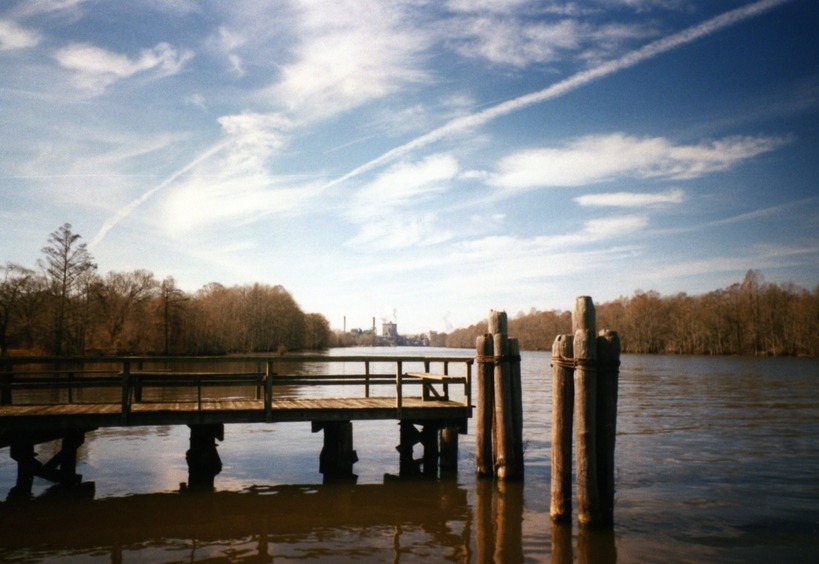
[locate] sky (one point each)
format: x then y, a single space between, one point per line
417 161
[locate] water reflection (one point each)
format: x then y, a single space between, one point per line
390 521
399 520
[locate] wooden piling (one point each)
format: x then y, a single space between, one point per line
449 450
517 400
562 409
585 411
337 454
608 375
484 411
203 459
507 464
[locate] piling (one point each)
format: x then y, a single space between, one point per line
499 414
485 349
608 375
585 410
203 459
562 409
337 454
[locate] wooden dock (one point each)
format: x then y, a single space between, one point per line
44 399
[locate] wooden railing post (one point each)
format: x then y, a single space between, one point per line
399 368
126 391
366 378
268 391
8 375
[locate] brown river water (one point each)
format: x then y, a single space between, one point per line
717 460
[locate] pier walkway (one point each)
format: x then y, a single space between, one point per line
44 399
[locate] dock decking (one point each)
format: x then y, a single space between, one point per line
43 399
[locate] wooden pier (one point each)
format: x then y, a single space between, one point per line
45 399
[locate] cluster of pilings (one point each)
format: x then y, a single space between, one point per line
499 409
585 374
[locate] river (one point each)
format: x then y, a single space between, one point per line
717 460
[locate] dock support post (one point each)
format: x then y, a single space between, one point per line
608 375
203 459
337 455
562 409
429 439
409 437
61 469
585 410
449 450
485 404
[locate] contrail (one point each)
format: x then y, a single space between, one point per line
570 84
478 119
125 211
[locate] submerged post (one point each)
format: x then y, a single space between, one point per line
608 375
203 459
562 409
485 404
508 421
585 400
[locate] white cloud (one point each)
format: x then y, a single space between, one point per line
404 185
386 209
349 53
484 6
601 158
95 68
13 36
30 8
234 185
517 43
632 199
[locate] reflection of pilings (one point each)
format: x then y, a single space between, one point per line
562 543
276 515
499 521
596 546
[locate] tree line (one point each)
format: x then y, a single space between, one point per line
64 306
751 317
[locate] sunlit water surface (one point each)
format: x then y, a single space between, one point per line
717 461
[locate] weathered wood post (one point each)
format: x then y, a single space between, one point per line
485 404
517 400
585 410
562 410
449 450
337 454
508 453
203 459
608 375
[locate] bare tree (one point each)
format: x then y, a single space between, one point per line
118 295
66 265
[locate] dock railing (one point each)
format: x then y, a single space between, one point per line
61 380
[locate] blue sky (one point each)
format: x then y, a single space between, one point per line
430 159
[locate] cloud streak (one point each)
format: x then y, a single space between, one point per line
599 158
129 209
654 49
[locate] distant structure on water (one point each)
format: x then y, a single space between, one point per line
389 336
